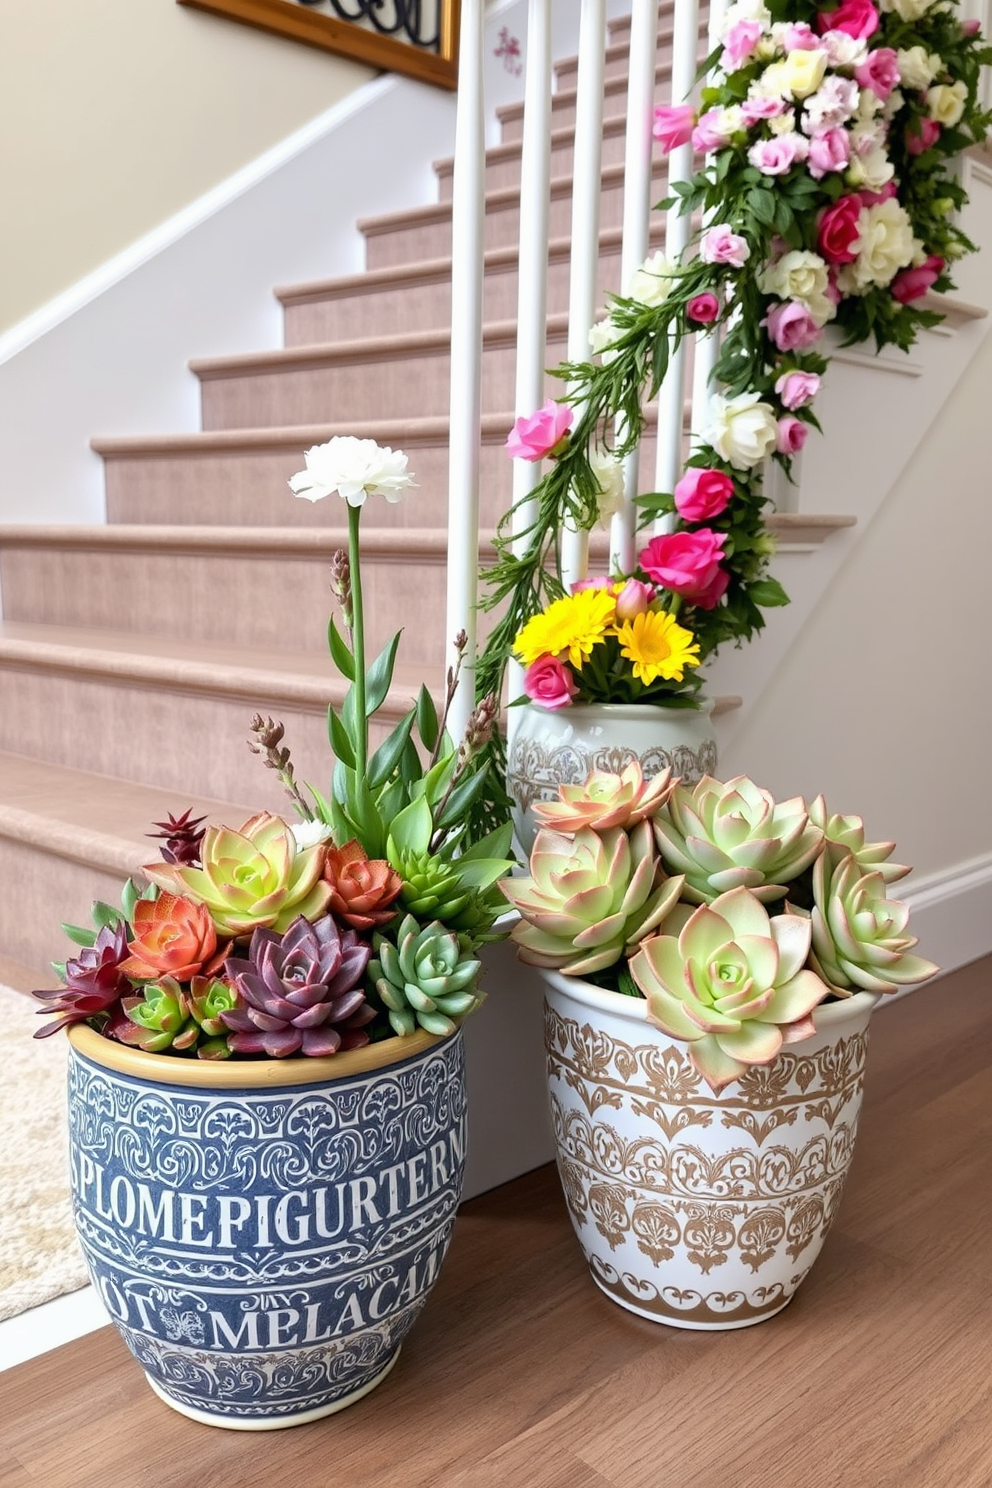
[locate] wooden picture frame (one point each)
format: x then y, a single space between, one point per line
315 28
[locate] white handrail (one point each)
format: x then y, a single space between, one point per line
636 212
465 431
586 195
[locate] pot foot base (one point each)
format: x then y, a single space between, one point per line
271 1423
670 1318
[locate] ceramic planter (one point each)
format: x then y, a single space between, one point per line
265 1233
548 749
694 1209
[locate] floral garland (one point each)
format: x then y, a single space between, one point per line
828 199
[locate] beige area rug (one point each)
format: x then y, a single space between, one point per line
39 1255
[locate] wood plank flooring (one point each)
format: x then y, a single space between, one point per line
520 1374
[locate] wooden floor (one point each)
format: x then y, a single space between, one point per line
520 1374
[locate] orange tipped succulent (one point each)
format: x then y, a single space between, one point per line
606 800
173 936
362 888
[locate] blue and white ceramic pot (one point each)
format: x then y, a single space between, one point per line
264 1234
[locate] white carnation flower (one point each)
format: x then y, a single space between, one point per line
742 430
354 469
601 339
800 275
309 833
907 10
871 168
843 50
745 10
609 477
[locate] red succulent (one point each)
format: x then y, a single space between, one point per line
94 980
173 936
362 888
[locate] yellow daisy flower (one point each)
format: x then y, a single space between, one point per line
573 624
658 646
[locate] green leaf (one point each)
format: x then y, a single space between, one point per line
480 873
762 204
379 676
340 653
105 915
495 844
387 757
79 936
768 593
428 726
354 726
438 777
412 829
462 798
341 744
364 813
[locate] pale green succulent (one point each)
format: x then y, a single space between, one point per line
849 832
734 984
734 835
592 898
859 936
426 977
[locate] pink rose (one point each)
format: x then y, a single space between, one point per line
673 126
912 283
601 582
549 683
872 198
703 308
791 435
634 599
739 42
798 37
687 563
719 245
838 235
796 389
970 28
702 494
539 434
709 597
829 151
921 135
753 110
879 72
776 156
791 327
707 134
858 18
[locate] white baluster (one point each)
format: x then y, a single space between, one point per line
636 211
465 434
707 343
671 399
586 195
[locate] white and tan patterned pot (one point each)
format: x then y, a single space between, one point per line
694 1209
547 749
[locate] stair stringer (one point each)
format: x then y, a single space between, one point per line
841 474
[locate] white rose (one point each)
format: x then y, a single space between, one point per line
800 276
893 104
872 169
797 75
742 430
908 10
918 67
651 284
887 245
353 468
784 124
869 104
609 478
601 339
946 102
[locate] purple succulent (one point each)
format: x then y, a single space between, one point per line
302 991
183 836
93 981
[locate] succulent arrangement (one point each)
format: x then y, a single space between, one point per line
733 915
358 921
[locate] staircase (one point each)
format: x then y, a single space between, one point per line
133 655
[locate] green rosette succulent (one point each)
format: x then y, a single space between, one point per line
859 936
733 985
255 877
426 977
431 886
735 835
849 832
592 898
183 1019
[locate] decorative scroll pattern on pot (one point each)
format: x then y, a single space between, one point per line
268 1248
536 769
669 1186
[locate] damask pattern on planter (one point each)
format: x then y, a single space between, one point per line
267 1245
691 1207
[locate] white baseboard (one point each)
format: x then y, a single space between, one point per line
952 913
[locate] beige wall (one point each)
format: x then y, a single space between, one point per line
115 114
885 701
